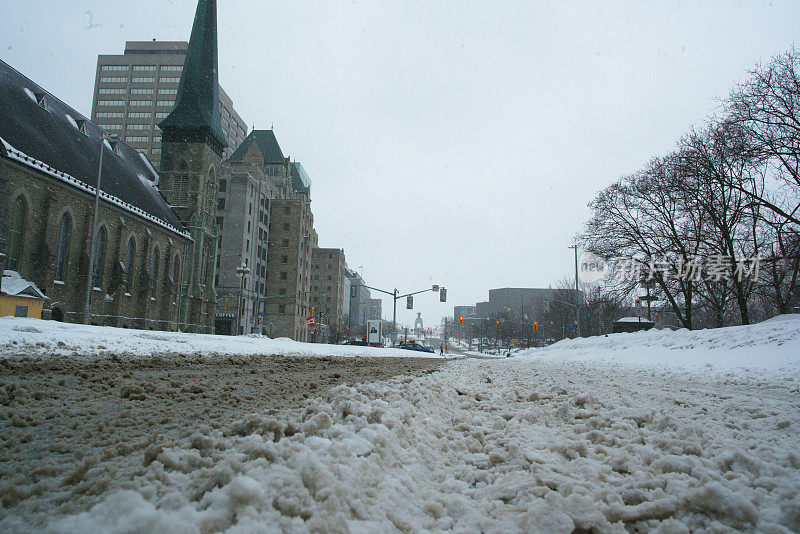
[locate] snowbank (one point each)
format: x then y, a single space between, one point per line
627 433
22 337
771 347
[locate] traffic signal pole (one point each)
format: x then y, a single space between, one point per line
395 297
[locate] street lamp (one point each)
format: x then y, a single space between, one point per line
577 302
243 270
89 279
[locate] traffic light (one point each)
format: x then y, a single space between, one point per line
461 320
225 308
409 302
442 295
312 311
497 323
535 326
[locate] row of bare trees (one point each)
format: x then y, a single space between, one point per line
694 220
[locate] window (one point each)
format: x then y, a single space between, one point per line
110 126
110 115
114 79
281 308
281 291
220 222
156 151
176 271
138 126
111 103
287 210
140 68
172 68
140 91
248 227
284 259
21 311
286 226
131 257
220 203
99 256
62 249
161 114
143 79
114 68
169 79
168 91
16 233
138 115
284 275
223 185
166 102
140 103
136 139
285 243
112 91
154 268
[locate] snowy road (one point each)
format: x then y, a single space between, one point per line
658 431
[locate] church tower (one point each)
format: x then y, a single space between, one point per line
192 145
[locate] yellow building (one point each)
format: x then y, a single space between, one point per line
19 297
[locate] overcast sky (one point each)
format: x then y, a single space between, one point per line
447 142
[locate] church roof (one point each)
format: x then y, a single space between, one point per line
40 131
267 144
197 102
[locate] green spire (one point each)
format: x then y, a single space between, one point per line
196 113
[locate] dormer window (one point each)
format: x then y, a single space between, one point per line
40 99
81 125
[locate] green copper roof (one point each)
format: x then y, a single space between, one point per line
267 144
197 101
300 180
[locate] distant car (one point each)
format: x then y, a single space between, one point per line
413 345
358 343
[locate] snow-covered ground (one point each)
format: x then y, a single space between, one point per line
653 431
34 337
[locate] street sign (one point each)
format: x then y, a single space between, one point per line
311 321
409 302
436 287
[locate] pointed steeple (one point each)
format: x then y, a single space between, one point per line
196 113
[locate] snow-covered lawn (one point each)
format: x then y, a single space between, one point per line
656 431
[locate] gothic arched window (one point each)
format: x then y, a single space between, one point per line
131 257
16 232
62 248
99 256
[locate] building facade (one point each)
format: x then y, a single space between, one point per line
327 289
375 310
252 178
49 161
288 267
359 303
136 90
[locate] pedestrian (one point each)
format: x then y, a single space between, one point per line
441 349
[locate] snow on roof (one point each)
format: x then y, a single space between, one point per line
15 285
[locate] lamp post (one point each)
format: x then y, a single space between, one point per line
89 278
577 302
243 270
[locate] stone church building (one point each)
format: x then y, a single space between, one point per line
155 244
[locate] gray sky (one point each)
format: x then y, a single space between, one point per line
447 142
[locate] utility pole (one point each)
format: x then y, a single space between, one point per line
242 271
89 279
577 301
